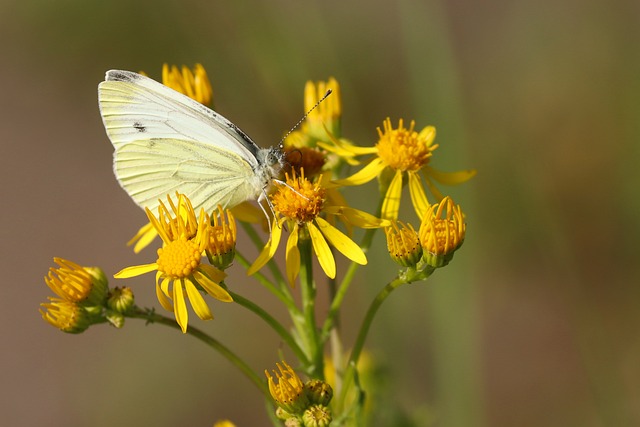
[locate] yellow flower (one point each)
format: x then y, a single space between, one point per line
403 244
178 268
322 123
224 423
442 232
195 84
327 116
288 389
300 202
148 233
222 239
400 152
65 315
86 285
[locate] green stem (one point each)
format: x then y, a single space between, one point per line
271 321
308 294
364 330
336 303
151 317
286 298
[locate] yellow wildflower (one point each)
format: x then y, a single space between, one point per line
288 389
74 283
442 232
195 84
65 315
300 202
400 152
178 267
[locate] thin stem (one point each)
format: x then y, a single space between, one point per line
308 295
271 321
286 298
336 303
153 317
364 330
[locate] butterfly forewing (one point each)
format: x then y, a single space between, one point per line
135 107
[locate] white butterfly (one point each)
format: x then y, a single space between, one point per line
166 142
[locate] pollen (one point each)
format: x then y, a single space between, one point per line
178 259
403 148
300 199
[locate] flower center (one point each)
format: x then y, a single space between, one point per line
443 236
403 149
177 259
301 200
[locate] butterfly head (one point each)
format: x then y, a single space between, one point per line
270 164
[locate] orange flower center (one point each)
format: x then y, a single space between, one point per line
403 149
301 200
179 258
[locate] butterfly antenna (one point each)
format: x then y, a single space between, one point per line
304 117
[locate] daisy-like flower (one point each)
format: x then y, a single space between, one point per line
300 203
195 84
322 124
179 270
65 315
222 239
77 284
403 244
442 232
326 117
401 152
287 389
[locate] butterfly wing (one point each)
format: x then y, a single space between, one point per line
150 169
135 107
167 142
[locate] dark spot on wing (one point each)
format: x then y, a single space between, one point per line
139 127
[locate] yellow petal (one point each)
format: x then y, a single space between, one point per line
391 203
180 307
438 195
357 217
135 270
212 288
365 174
248 212
197 302
143 237
429 133
418 197
269 249
293 256
341 242
450 178
213 273
162 292
322 250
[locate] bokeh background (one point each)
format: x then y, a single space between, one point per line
535 323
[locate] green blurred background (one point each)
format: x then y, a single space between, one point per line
536 321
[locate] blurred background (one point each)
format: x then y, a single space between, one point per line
535 323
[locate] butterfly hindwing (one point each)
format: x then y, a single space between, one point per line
150 169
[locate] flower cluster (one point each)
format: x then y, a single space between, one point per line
307 210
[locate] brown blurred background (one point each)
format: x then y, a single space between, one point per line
535 323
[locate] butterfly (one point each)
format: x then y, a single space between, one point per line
166 142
